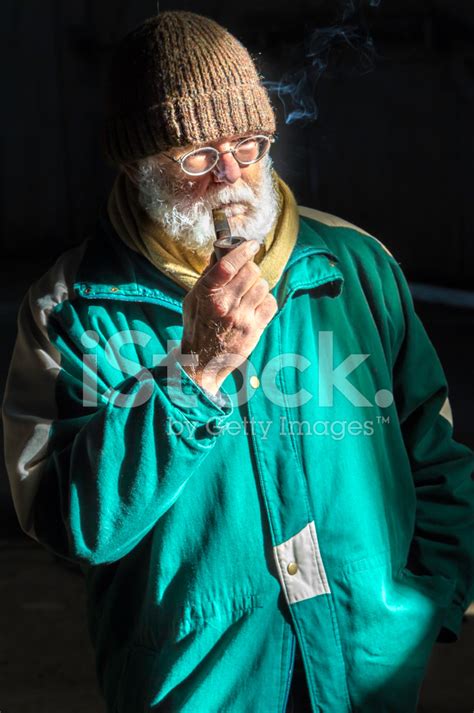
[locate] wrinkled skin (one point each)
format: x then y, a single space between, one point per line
224 316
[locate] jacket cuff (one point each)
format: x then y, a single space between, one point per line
192 402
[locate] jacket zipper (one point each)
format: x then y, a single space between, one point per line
292 663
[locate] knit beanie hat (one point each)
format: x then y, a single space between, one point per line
180 78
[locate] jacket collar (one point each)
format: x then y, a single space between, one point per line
111 270
311 267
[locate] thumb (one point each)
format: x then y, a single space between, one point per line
211 263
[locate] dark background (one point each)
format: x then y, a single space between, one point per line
390 148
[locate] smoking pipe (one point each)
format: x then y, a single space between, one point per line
225 242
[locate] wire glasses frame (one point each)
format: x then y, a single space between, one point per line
268 141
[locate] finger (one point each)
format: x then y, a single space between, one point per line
241 282
189 306
211 263
229 265
227 298
192 302
255 294
266 311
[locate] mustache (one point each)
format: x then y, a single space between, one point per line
230 194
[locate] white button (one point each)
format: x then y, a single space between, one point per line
254 381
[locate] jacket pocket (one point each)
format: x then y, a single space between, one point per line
213 614
391 621
194 633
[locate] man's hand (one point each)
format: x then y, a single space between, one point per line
225 314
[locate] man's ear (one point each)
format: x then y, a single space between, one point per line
131 170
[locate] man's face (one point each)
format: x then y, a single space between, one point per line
183 204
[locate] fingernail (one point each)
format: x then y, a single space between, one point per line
255 246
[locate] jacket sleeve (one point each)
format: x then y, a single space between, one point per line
442 468
91 474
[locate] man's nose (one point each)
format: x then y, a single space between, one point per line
227 170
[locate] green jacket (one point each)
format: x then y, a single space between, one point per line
320 501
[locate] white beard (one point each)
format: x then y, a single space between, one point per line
189 221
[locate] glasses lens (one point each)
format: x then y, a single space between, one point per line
252 149
200 161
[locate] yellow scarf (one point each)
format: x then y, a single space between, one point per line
181 264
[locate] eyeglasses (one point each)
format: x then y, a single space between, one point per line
246 151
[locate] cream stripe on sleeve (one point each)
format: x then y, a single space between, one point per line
335 222
29 408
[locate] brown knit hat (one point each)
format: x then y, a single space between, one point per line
181 78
